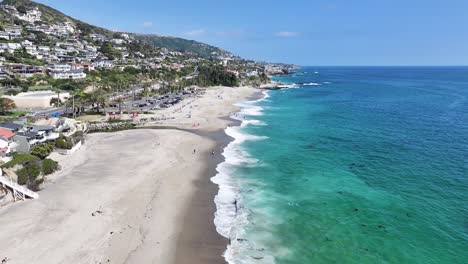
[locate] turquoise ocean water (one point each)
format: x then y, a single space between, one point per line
353 165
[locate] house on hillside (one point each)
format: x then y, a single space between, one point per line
106 64
4 35
118 41
14 31
59 67
26 71
31 16
71 74
3 74
98 37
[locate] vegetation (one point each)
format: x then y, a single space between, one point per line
182 45
42 151
64 143
213 75
49 166
29 173
20 159
21 56
69 142
108 51
6 105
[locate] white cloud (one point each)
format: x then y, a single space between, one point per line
288 34
147 24
195 33
234 33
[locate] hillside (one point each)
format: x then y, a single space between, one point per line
52 16
182 45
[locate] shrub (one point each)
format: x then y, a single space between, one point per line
22 178
42 151
49 166
20 159
28 173
64 143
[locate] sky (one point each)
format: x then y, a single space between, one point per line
303 32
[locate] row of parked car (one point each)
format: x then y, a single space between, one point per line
158 102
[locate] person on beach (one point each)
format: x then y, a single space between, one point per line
194 151
212 153
5 260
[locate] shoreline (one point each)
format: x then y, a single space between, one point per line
157 206
203 199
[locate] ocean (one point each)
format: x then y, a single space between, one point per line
352 165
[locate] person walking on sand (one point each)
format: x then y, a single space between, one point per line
194 151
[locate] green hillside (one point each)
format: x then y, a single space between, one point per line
182 45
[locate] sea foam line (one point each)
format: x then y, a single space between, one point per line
230 216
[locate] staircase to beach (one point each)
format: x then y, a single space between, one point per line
19 192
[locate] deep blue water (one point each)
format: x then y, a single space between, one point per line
368 166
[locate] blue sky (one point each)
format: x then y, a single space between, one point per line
304 32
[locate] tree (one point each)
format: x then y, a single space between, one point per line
49 166
42 151
55 101
6 105
28 173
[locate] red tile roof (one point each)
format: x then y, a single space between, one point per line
6 133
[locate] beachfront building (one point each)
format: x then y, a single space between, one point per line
45 133
7 145
39 99
26 140
22 138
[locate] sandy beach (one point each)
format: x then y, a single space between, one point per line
138 196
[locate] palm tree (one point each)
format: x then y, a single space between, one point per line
57 90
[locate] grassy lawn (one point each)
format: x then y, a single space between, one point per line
19 159
16 113
12 115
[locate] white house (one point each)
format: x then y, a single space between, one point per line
98 37
31 16
72 74
59 67
10 47
106 64
31 50
252 73
118 41
4 35
43 48
26 43
6 142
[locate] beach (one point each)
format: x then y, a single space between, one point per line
137 196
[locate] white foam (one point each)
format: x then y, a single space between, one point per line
311 84
253 122
231 217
